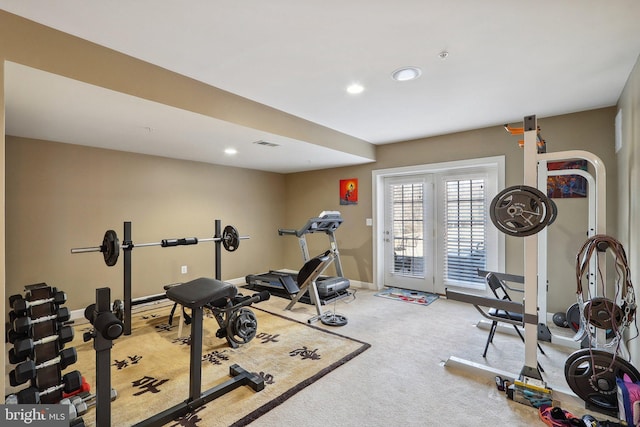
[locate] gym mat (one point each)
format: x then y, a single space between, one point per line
405 295
150 367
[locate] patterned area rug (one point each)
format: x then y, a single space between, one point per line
413 297
150 367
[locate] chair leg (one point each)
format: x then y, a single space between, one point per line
522 338
519 333
492 331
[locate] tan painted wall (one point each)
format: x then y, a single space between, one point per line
309 193
628 163
61 196
2 206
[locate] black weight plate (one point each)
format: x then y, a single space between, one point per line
603 313
554 212
110 248
520 211
334 319
230 238
592 374
573 317
243 326
560 319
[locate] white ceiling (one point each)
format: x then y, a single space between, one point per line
506 60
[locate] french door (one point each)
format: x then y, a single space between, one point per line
408 233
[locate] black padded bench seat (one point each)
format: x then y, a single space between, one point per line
199 292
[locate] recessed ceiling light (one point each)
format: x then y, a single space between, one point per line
405 74
230 151
355 88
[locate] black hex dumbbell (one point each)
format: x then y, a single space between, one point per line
22 307
24 347
22 325
70 383
26 371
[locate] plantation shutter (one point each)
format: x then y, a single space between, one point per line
465 223
407 207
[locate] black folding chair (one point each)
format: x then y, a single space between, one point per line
499 289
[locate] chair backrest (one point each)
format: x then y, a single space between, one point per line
497 287
313 268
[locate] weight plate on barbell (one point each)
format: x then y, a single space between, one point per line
520 211
592 373
243 326
110 248
230 238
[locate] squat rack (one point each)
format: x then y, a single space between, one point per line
110 248
535 165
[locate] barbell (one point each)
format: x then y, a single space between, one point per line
111 246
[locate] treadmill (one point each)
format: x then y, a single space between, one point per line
329 288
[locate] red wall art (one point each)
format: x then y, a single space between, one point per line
349 191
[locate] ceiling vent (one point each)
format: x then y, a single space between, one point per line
266 143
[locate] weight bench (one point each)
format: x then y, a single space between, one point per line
196 295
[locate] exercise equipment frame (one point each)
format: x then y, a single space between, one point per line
127 246
533 250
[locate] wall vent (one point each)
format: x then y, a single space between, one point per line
266 143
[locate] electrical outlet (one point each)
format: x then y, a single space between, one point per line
183 269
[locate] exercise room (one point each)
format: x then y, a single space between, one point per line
338 214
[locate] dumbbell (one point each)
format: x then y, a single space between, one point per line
22 325
26 371
21 306
70 382
24 347
79 406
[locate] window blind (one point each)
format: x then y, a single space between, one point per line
465 223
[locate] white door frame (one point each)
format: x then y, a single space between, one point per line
377 180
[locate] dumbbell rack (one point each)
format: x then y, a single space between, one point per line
38 335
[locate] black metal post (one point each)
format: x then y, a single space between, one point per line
102 346
218 235
127 278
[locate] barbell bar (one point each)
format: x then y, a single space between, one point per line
111 246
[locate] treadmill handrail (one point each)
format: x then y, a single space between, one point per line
327 224
282 231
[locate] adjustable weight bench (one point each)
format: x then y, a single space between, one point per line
196 295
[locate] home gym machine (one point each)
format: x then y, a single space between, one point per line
110 248
285 284
525 211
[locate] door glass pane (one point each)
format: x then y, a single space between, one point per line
408 225
465 219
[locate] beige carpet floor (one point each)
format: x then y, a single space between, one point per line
402 379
